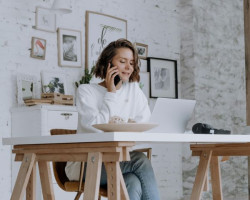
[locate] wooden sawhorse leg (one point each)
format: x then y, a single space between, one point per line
216 178
113 176
46 182
124 192
93 176
23 176
206 184
201 174
31 187
116 186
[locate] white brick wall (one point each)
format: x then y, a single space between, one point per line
153 22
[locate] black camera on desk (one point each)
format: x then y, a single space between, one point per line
202 128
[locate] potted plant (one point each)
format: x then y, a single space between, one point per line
86 77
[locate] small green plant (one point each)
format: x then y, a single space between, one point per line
86 77
141 85
54 86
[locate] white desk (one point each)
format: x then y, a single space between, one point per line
221 146
128 136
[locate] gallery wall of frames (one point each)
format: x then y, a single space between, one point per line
158 79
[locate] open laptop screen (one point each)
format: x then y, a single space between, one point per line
172 115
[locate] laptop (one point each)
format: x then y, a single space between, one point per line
172 115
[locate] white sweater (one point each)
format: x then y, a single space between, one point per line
96 105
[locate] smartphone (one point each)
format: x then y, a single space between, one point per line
117 77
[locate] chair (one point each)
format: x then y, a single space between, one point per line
76 186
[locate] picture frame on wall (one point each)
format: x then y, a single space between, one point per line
69 48
142 50
45 20
38 48
101 29
53 82
144 83
26 88
163 77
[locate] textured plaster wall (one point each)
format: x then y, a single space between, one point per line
212 48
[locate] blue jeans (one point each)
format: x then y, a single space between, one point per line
139 177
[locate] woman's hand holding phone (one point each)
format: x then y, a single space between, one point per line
112 73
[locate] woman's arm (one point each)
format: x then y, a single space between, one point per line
92 109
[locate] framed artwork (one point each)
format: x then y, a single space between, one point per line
69 48
45 20
101 29
163 77
142 50
38 48
144 83
26 88
53 82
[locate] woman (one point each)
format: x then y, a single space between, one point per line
108 102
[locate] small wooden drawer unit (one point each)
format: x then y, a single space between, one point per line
39 119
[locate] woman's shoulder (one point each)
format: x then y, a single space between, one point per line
90 88
84 87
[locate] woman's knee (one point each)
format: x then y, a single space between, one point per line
139 157
133 186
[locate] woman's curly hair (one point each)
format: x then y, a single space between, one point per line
107 55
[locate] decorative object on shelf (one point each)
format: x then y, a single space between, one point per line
144 83
45 20
101 29
69 48
26 88
142 50
53 82
86 77
58 98
52 98
61 6
163 77
38 48
32 102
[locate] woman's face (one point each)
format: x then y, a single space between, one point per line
124 60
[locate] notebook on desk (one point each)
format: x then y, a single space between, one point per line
172 115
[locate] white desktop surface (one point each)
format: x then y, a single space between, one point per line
127 136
